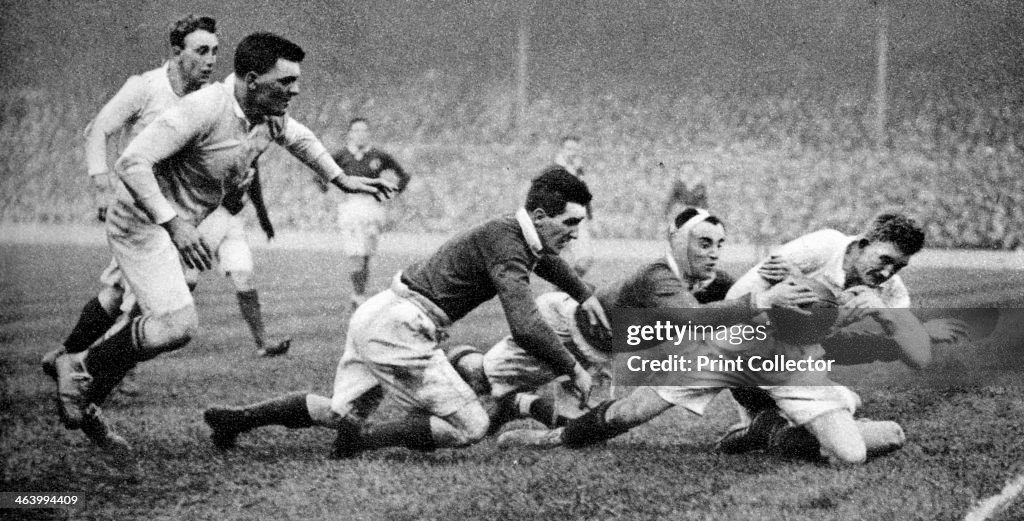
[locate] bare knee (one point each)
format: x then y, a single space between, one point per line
241 279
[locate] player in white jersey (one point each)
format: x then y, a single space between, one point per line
866 267
138 103
174 174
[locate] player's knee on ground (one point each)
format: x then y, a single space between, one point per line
465 427
839 437
881 437
167 331
242 280
319 408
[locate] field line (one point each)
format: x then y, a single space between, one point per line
989 507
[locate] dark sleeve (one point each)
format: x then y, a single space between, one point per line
668 296
717 289
555 270
390 164
511 279
862 342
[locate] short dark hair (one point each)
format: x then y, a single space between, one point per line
569 137
358 119
553 188
689 213
898 229
189 25
259 52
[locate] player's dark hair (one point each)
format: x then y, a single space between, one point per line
259 52
357 119
189 25
569 137
898 229
555 187
689 213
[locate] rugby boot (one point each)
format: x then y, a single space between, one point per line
278 350
532 438
754 436
95 427
71 381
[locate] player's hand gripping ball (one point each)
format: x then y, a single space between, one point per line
810 323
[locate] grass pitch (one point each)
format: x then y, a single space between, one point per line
964 444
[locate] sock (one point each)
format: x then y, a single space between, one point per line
110 361
540 409
92 324
796 442
249 303
413 432
289 410
591 428
359 279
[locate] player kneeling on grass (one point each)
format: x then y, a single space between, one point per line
679 279
864 268
807 398
393 338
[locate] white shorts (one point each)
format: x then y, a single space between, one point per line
800 404
225 233
510 368
393 342
361 221
147 259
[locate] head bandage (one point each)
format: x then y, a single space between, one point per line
687 227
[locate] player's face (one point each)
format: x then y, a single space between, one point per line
556 231
270 93
700 250
198 57
878 262
359 134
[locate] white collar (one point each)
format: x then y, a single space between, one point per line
229 86
529 231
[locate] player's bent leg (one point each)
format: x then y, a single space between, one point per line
143 338
840 439
880 437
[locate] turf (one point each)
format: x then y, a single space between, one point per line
964 444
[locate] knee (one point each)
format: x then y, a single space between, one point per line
181 326
846 454
471 426
241 279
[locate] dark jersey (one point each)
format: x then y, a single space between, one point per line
494 259
371 165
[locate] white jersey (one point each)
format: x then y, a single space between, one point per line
819 255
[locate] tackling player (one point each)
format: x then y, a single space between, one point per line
678 280
361 218
393 339
174 174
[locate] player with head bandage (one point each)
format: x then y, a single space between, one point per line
686 276
805 397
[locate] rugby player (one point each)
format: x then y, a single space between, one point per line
393 340
361 218
176 171
680 279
